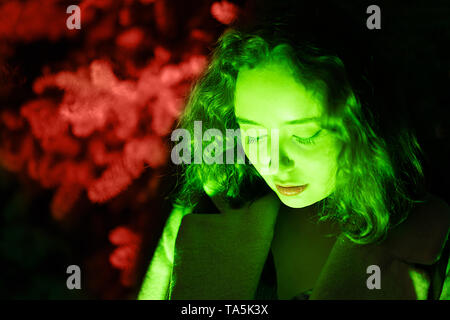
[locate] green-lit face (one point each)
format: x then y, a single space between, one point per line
269 98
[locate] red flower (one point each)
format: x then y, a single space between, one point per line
225 12
125 256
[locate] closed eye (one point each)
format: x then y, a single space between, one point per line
309 140
251 140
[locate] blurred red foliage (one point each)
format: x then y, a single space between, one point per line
100 116
224 11
125 256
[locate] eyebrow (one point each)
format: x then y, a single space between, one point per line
298 121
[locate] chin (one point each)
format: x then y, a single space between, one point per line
295 202
308 197
300 201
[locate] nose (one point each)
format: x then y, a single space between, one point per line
280 161
286 163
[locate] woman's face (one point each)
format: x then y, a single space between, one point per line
275 110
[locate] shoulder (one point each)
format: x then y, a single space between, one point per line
422 237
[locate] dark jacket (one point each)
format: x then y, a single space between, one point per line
215 259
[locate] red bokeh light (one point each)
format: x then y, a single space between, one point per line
99 117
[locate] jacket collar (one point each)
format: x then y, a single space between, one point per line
420 239
403 258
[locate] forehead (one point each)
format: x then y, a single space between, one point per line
271 95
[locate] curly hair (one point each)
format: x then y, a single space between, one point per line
376 181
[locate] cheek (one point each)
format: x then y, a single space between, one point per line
256 160
320 164
257 153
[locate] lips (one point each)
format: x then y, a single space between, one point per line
291 190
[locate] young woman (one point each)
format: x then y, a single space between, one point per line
334 209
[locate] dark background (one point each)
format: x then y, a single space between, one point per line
410 53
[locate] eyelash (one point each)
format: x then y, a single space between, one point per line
254 139
310 140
